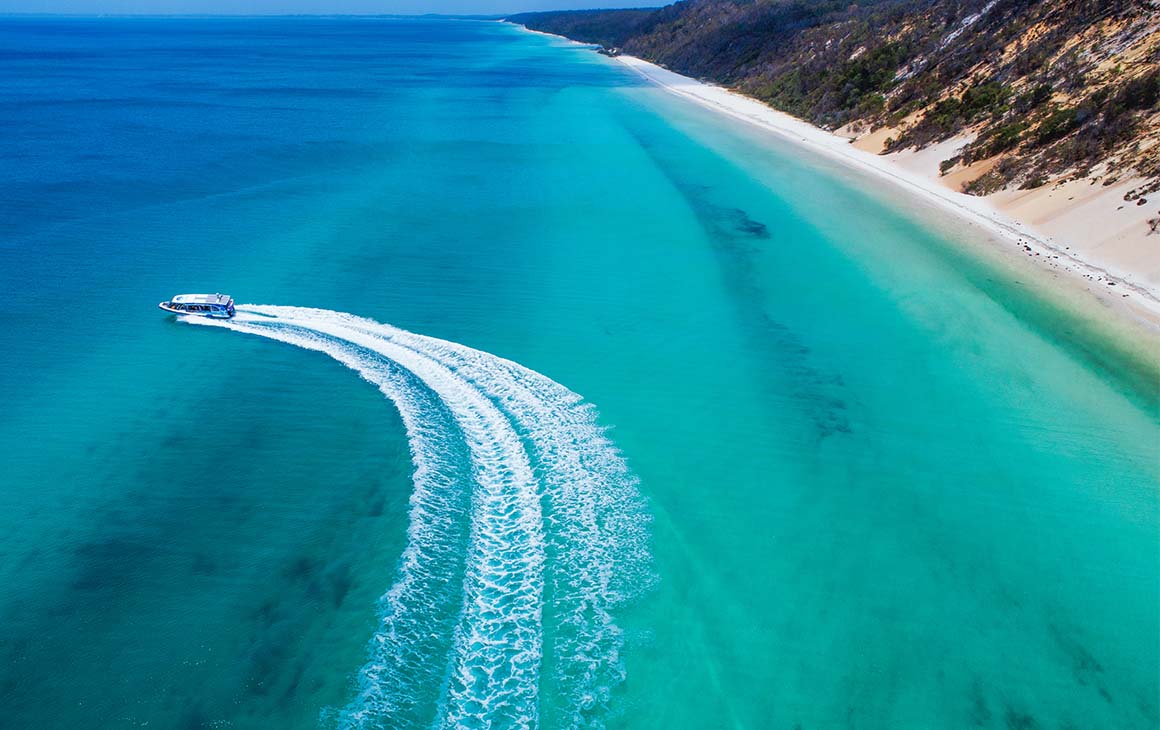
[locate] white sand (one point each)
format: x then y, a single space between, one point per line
1097 222
1102 249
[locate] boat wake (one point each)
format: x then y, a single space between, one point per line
526 532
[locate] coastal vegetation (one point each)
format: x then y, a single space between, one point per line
1036 90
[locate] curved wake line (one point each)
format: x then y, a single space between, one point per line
557 534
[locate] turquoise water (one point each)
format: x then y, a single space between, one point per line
879 492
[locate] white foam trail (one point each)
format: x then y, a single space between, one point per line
596 538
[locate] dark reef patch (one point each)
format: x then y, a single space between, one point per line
1019 720
741 223
194 719
1083 664
732 231
980 713
108 563
1088 670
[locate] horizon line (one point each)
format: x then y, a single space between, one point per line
41 14
473 16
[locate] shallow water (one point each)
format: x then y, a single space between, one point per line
881 493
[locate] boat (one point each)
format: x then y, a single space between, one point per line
215 306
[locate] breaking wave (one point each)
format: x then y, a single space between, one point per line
526 532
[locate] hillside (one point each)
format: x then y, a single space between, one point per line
1032 91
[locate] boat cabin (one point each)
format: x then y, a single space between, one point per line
218 306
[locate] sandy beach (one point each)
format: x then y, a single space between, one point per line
1099 242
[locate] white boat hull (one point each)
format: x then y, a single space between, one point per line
214 314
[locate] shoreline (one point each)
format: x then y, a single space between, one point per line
1138 301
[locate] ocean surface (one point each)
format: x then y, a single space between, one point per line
553 401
